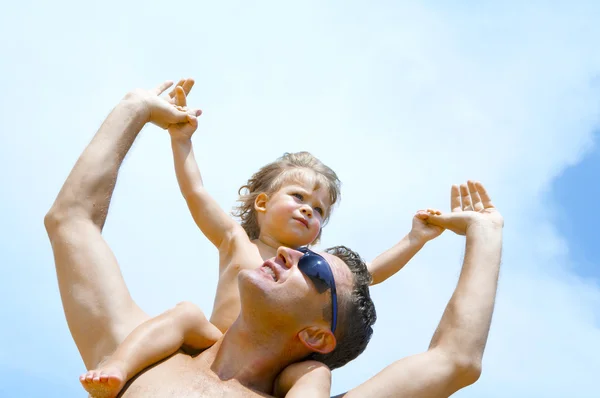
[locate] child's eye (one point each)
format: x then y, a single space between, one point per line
297 195
319 210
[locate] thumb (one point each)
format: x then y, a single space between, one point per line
178 116
192 120
441 220
422 215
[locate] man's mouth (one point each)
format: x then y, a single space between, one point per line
268 269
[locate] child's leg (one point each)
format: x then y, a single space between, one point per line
150 342
304 379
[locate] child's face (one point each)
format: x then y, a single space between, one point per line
295 213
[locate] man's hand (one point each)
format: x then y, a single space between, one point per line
471 205
162 111
453 359
182 131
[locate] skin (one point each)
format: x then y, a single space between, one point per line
453 360
101 313
305 379
291 216
247 360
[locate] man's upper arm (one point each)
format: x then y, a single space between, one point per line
99 310
429 374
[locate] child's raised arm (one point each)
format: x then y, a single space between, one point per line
394 259
304 379
215 223
208 215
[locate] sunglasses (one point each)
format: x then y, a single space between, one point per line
319 271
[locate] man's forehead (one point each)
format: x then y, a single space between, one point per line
341 272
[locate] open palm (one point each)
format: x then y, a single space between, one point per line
470 204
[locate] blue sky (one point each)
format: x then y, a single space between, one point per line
576 191
402 99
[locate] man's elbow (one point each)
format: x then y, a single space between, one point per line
59 217
53 219
466 371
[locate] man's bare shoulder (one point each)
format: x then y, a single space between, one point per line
184 376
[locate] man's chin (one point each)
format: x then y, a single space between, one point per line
250 278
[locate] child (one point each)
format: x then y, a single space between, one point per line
286 203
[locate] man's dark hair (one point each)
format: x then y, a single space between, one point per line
356 316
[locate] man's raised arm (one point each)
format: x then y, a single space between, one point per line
453 360
97 304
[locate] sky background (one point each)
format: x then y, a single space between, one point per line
401 99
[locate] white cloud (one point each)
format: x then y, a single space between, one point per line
401 100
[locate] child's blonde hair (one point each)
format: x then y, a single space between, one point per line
290 166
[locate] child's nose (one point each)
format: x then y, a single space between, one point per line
307 211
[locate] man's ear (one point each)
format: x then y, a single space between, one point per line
260 203
318 339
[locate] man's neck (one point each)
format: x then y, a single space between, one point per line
252 358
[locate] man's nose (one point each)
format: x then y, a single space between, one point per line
289 257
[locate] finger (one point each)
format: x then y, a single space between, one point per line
177 116
475 198
193 120
455 198
194 112
187 86
485 198
180 96
162 87
441 220
465 197
422 215
434 211
451 221
179 83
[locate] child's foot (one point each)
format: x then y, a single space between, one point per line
105 382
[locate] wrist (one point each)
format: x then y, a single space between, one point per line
416 239
487 235
484 227
135 102
181 140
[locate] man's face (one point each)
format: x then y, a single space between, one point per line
288 298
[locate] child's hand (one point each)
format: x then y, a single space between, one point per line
182 131
160 110
421 229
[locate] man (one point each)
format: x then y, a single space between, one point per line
245 362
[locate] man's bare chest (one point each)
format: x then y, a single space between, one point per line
180 376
